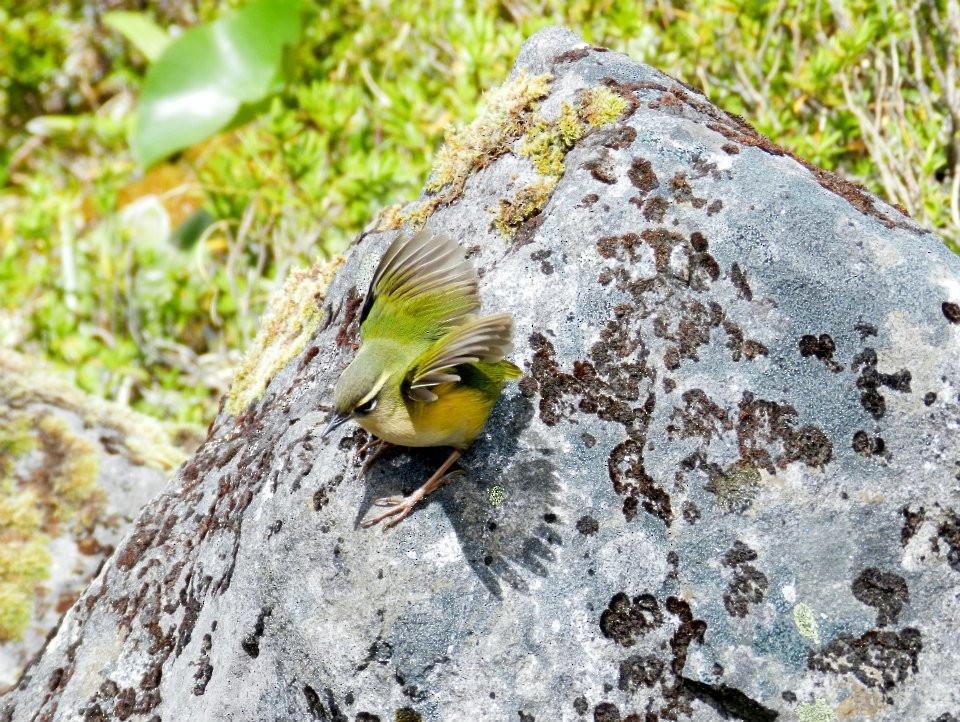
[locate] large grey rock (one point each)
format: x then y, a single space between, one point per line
726 487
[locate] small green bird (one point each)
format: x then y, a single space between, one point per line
428 371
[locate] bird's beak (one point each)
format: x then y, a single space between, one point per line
335 421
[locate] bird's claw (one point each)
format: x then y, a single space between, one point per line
400 507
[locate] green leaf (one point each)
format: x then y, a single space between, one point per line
140 31
214 77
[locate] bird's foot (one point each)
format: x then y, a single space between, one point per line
401 506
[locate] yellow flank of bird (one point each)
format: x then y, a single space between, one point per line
429 370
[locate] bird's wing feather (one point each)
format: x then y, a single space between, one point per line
479 340
424 276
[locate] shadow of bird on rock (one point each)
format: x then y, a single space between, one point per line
501 502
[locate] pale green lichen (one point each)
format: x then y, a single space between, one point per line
527 202
818 711
496 495
735 487
292 316
806 622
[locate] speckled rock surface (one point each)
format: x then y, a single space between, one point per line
725 488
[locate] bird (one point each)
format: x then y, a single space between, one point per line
429 369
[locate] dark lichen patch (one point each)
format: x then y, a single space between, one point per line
700 416
407 714
683 193
741 347
912 521
688 631
867 445
715 207
641 175
625 620
631 480
822 347
929 398
587 525
606 712
580 705
878 659
251 643
739 280
951 311
588 200
748 586
616 137
204 668
655 209
601 167
870 380
763 425
948 531
638 671
680 188
348 332
885 591
571 56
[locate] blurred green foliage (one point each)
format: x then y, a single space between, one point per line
90 278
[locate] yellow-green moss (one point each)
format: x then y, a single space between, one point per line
503 118
527 202
15 437
600 105
292 316
71 468
548 141
24 382
24 559
507 116
16 608
19 511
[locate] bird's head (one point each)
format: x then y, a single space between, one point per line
358 390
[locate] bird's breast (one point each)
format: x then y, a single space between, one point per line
454 419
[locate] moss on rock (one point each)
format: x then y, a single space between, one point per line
503 119
292 316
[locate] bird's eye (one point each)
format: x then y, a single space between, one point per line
366 407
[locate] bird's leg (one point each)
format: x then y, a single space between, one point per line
401 506
381 447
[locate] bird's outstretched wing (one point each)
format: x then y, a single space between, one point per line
478 340
423 284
